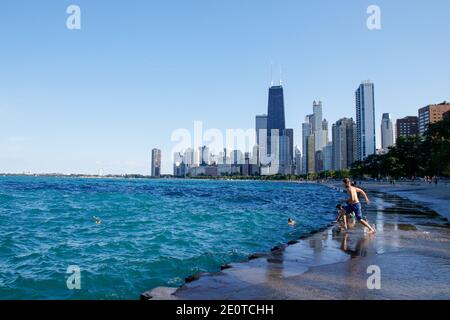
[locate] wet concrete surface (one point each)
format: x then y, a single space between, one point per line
411 249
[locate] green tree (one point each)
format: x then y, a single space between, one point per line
435 153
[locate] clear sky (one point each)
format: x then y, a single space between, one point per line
75 101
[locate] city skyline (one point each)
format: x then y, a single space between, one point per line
80 104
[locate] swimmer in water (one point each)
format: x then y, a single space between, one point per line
97 220
291 222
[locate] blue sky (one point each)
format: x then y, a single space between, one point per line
105 95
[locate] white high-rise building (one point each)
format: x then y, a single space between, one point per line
320 135
317 111
365 120
306 132
387 132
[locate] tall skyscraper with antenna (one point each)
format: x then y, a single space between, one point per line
279 143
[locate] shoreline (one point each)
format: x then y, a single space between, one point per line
317 266
434 197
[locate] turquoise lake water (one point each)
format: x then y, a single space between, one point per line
153 232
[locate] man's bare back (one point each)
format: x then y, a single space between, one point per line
353 193
354 204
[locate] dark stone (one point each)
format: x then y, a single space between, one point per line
257 256
290 243
192 278
146 296
225 266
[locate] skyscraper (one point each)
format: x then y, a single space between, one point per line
365 120
276 123
298 161
156 163
317 111
260 126
203 156
261 133
344 146
320 136
310 154
276 133
189 157
387 132
431 114
306 132
325 125
290 135
328 157
408 126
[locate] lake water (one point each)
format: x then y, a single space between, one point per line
153 232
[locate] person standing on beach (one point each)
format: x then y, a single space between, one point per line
355 205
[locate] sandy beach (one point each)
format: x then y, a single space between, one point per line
411 249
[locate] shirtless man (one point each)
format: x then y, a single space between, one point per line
354 204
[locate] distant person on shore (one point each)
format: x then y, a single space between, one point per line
354 205
348 218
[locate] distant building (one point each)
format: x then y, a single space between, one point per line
260 125
156 163
298 162
306 132
285 155
224 169
206 171
204 156
431 114
245 167
320 135
189 157
317 112
178 164
290 155
365 120
325 125
344 146
328 157
387 132
446 115
276 123
236 157
408 126
280 141
261 133
318 165
310 154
